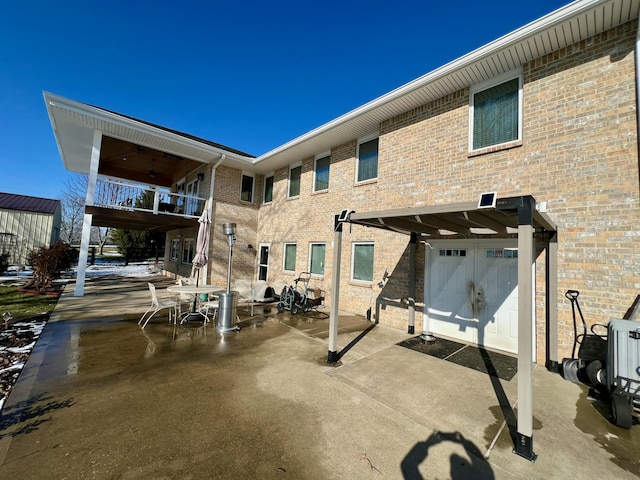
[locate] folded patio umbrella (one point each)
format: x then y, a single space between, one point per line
202 244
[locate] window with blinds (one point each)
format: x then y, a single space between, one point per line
496 114
367 164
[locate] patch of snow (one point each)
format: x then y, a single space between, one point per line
25 349
138 269
15 366
142 269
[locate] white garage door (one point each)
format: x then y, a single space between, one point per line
471 292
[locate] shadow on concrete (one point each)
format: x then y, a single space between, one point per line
503 401
27 416
353 342
471 466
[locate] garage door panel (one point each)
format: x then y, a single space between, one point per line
472 296
448 306
499 274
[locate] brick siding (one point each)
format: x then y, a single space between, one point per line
578 153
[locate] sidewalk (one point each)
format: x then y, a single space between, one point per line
101 398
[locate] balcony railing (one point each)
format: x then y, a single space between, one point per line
145 198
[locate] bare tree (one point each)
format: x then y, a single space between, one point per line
72 216
73 203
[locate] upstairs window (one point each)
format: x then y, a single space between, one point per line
496 114
246 190
295 172
367 165
321 173
268 189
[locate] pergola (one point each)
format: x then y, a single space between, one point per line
490 217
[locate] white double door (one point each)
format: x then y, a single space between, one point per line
471 292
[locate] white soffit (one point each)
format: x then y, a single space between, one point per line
74 122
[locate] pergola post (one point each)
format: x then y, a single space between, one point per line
426 326
526 257
412 283
332 356
86 224
552 304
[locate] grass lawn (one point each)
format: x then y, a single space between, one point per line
23 305
18 336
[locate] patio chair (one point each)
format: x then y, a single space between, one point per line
262 292
209 306
185 297
277 288
157 305
245 293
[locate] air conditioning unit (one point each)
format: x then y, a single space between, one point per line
623 369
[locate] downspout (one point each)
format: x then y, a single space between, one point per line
637 57
412 283
210 206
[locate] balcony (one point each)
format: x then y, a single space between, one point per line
132 206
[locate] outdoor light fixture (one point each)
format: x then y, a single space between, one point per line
342 218
201 176
152 172
229 228
487 200
344 215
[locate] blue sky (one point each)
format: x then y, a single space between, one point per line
250 75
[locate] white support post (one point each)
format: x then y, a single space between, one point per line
156 200
332 356
84 254
526 256
86 224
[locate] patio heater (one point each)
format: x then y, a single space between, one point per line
228 300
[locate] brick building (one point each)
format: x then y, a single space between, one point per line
548 111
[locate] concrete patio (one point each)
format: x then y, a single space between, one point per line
102 398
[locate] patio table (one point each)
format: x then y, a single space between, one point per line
195 290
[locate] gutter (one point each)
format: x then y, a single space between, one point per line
637 58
